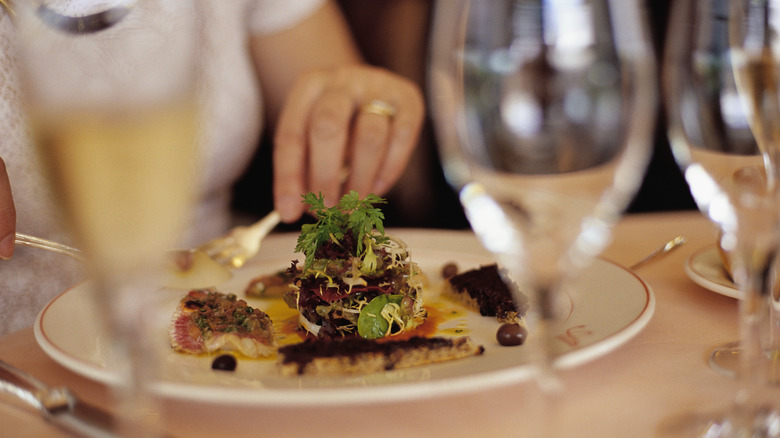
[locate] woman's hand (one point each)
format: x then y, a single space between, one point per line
7 215
345 128
316 88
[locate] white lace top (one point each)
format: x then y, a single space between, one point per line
33 277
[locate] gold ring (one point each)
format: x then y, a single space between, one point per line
378 107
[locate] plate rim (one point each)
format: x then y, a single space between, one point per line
480 381
703 279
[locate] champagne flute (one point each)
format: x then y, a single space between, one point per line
755 75
544 112
721 95
111 95
757 71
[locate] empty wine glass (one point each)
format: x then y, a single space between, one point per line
544 113
111 94
721 94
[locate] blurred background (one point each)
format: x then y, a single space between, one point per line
394 34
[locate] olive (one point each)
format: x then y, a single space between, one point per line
510 335
224 362
450 269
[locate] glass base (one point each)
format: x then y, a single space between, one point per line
759 422
725 360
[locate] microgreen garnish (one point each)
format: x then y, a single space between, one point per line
351 214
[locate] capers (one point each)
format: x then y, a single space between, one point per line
224 362
510 335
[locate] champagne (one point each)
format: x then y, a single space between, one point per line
124 178
757 78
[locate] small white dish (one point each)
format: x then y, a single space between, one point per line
706 269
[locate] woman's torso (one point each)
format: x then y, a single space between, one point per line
232 124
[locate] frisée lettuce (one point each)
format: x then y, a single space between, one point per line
355 280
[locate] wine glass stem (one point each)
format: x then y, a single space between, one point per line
547 377
125 312
772 352
757 319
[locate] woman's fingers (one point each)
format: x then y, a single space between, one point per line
329 131
357 120
404 135
370 139
7 215
291 143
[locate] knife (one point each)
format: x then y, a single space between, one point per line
58 405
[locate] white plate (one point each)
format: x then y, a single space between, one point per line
706 269
611 305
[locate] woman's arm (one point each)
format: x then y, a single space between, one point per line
315 85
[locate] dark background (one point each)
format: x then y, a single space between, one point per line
424 199
664 188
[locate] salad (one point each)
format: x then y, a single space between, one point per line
355 280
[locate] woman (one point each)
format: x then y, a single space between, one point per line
290 63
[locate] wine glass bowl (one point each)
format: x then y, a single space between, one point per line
544 114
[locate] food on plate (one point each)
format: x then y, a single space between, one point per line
224 362
318 356
450 269
208 321
484 291
270 285
725 256
355 280
745 180
510 334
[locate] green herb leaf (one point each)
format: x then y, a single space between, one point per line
364 217
371 324
351 214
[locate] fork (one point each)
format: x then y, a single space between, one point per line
661 250
230 250
37 242
241 243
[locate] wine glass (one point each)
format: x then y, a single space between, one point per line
111 91
756 66
755 79
544 113
720 93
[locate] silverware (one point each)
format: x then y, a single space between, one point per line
209 264
6 4
231 250
241 243
37 242
57 405
664 249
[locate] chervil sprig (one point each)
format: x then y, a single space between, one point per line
351 214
